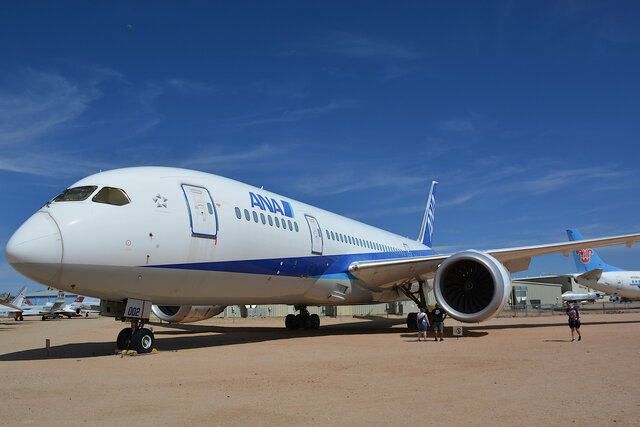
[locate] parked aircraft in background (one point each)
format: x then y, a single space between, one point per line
12 308
581 297
47 311
78 308
193 243
596 274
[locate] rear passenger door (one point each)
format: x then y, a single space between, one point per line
316 235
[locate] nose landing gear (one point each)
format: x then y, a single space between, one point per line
137 337
137 312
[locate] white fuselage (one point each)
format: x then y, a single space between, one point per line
173 245
621 283
578 297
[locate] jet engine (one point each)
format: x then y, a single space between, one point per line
186 313
472 286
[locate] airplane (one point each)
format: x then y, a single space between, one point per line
581 297
190 243
47 311
12 308
78 307
596 274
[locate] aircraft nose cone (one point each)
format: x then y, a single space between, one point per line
35 249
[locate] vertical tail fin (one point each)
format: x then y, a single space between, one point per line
587 259
429 217
17 301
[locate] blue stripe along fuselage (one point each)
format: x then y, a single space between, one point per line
309 266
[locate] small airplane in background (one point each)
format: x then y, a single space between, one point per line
581 297
13 307
47 311
596 274
78 308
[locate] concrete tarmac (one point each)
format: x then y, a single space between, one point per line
508 371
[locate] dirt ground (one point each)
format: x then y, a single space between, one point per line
514 371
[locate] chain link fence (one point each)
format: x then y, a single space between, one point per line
526 310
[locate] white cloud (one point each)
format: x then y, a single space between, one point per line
190 86
457 125
360 46
39 104
300 114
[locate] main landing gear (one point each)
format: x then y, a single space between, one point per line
137 337
419 298
304 320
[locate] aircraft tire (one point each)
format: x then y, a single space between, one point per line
142 340
315 321
306 322
44 317
290 321
124 337
411 321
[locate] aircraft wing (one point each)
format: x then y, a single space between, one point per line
393 272
8 304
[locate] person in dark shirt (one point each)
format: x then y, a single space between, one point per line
438 315
574 321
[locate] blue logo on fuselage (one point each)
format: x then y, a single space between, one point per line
271 205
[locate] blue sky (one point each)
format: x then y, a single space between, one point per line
526 112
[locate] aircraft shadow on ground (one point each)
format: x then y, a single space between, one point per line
542 325
178 337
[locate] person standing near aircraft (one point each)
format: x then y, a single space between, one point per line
423 324
438 316
574 321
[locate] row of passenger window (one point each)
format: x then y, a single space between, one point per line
286 224
345 238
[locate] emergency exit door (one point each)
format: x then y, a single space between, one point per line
316 235
202 211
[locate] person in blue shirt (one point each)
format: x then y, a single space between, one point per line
574 321
423 324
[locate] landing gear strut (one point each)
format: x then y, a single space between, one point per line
304 320
417 297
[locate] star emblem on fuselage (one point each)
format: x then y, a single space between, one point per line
160 201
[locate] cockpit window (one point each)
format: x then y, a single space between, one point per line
111 196
75 194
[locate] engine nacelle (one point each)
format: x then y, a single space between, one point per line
472 286
186 313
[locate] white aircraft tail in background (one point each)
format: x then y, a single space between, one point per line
596 274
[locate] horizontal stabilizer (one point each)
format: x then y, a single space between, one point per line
592 274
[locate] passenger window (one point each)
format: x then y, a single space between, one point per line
333 237
328 235
349 238
277 221
255 216
262 218
238 213
295 224
270 220
341 238
290 225
111 196
246 215
76 194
